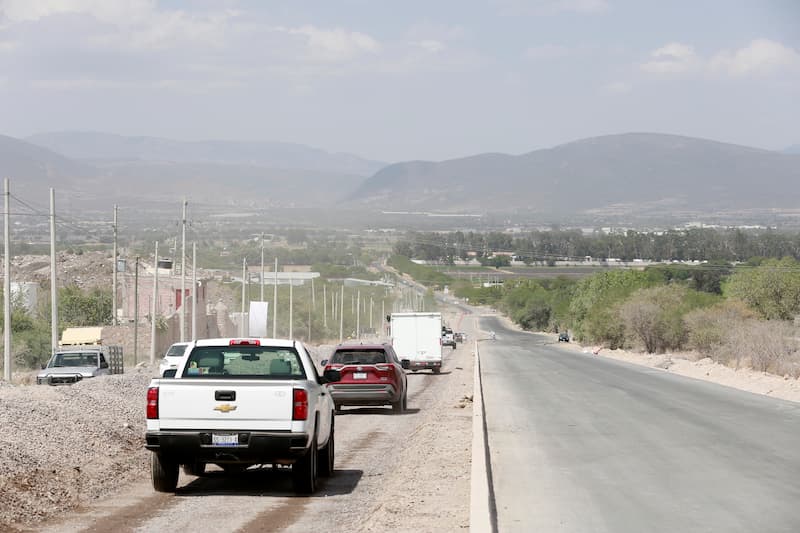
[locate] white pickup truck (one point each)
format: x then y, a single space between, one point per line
238 403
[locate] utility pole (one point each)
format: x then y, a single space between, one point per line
183 272
136 312
341 316
114 274
358 315
194 291
371 311
313 295
324 307
291 306
275 303
53 288
7 285
383 315
244 295
309 316
154 309
262 267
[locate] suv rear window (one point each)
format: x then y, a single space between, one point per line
246 362
358 357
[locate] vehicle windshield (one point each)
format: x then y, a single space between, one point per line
358 357
73 359
176 350
248 362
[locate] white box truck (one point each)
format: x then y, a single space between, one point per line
418 338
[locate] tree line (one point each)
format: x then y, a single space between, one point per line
709 244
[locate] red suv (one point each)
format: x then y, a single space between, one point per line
371 375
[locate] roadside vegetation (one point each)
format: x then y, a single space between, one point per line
31 330
741 314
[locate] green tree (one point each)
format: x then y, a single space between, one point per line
771 289
80 308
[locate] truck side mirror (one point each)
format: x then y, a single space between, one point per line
405 363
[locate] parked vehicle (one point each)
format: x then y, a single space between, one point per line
241 402
172 358
418 338
371 374
448 337
81 354
563 336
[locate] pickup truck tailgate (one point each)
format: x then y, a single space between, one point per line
225 404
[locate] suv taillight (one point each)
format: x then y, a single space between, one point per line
152 403
300 405
383 368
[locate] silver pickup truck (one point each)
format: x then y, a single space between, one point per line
238 403
75 363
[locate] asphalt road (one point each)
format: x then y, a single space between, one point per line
582 443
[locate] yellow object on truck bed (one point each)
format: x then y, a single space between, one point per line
82 336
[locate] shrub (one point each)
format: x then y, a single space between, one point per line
654 316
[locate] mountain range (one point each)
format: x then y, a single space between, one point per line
634 173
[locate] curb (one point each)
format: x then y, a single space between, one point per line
482 509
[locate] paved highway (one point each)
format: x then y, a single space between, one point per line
582 443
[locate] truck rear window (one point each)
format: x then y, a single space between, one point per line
358 357
247 362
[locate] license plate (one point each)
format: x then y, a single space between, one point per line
359 375
224 440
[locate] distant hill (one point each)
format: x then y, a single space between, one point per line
34 169
105 146
635 173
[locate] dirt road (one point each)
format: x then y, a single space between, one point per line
407 472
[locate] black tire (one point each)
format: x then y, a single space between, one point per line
437 370
399 406
304 471
196 469
164 473
325 457
405 401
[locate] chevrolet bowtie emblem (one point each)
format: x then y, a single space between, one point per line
225 408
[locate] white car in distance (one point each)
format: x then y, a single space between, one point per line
173 357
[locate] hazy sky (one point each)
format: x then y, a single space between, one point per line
403 79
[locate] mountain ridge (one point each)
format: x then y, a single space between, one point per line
595 173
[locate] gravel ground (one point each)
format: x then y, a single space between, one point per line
66 450
64 447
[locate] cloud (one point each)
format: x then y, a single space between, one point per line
335 44
547 51
8 46
125 24
550 7
672 59
760 57
431 45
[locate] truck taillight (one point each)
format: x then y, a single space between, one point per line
300 405
152 403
